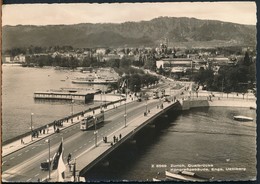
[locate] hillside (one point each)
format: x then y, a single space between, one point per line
144 33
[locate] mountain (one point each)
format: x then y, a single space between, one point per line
187 31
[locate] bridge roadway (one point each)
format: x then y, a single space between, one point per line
24 164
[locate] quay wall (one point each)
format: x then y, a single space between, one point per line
107 97
190 103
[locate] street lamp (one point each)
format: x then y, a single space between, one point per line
49 163
146 103
125 113
72 102
95 132
101 104
31 125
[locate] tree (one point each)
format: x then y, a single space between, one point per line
160 70
247 59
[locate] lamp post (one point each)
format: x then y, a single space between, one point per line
31 125
49 163
95 132
101 104
146 104
74 170
72 102
125 113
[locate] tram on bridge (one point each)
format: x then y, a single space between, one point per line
90 121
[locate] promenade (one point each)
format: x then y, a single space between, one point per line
27 140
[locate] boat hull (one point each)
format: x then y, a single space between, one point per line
242 118
93 82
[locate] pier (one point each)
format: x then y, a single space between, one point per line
85 96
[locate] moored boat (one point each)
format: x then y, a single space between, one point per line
155 179
94 81
243 118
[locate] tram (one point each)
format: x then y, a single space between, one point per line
91 120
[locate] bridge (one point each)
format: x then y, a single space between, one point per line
122 122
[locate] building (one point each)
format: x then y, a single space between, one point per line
19 58
101 51
221 61
174 62
109 57
8 59
179 67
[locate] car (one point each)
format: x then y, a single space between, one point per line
45 165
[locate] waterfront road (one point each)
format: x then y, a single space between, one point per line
24 164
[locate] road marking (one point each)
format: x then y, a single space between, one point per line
33 147
20 154
89 141
12 158
75 150
56 136
85 144
29 179
3 162
26 151
80 147
36 175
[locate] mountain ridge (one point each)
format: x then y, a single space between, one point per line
142 33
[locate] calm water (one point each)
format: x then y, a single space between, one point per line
18 86
202 136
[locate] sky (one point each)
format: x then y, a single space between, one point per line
53 14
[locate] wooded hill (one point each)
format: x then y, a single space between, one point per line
187 31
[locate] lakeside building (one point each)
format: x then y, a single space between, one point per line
7 59
16 59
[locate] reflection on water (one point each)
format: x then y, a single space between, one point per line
201 138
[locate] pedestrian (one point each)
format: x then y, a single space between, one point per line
114 138
93 112
40 131
22 141
120 136
43 131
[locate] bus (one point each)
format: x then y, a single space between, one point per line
159 93
89 121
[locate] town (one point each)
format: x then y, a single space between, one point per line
226 69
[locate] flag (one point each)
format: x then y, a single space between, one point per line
58 163
61 169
